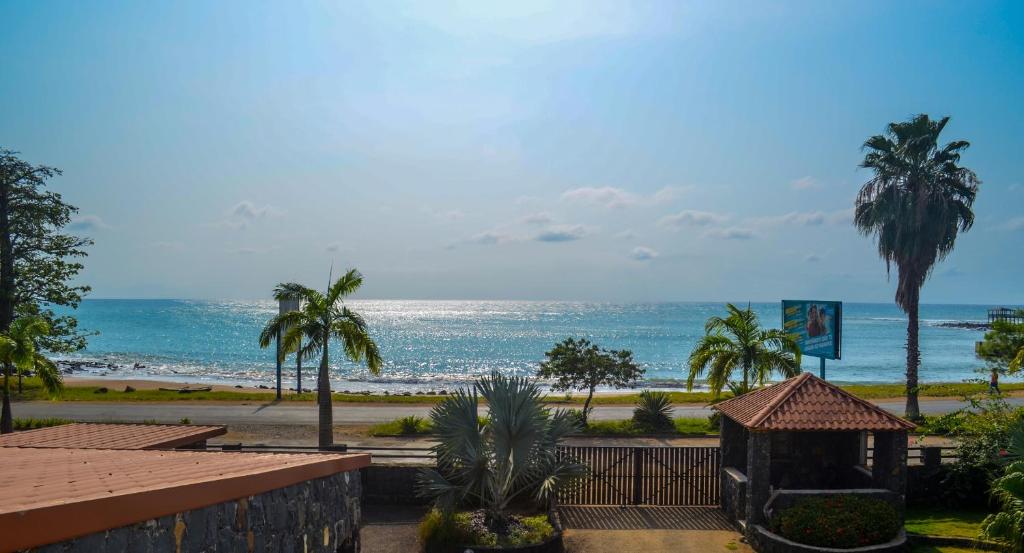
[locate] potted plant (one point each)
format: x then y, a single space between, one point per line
496 477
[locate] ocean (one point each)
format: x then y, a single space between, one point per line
441 344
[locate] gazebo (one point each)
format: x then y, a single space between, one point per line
801 437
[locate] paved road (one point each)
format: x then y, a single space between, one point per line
290 413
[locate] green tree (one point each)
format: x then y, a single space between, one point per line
738 342
917 201
581 365
320 318
1001 345
38 260
18 352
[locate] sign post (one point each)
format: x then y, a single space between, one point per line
285 306
817 327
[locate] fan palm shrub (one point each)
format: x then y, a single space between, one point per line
1007 526
737 341
917 201
509 456
18 352
322 317
653 411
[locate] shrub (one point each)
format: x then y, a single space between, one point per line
438 530
653 412
983 431
843 521
1007 526
33 423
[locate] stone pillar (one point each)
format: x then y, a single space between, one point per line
733 444
759 462
889 470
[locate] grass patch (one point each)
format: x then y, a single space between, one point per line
32 423
626 427
405 426
945 522
33 392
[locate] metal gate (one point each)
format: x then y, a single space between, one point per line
645 476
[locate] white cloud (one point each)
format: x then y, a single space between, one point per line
1016 223
643 253
809 218
617 198
244 251
540 218
562 233
731 233
490 237
692 218
804 183
1014 187
627 234
88 222
250 211
171 246
334 247
446 215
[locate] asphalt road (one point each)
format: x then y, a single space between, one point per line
351 414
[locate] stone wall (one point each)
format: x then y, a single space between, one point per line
314 516
734 494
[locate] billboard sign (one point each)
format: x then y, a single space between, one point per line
817 326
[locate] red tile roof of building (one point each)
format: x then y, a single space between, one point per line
807 402
113 436
52 494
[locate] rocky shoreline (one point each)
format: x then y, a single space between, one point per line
965 325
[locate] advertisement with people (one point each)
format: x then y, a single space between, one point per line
816 325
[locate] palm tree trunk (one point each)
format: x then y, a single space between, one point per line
323 393
6 418
913 411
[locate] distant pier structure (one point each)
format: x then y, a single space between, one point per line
1008 314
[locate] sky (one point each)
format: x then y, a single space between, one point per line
590 150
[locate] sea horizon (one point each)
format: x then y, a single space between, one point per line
444 344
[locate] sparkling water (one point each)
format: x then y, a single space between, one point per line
439 344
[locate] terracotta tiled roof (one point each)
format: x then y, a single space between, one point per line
807 402
113 436
51 494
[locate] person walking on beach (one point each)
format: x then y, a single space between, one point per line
993 382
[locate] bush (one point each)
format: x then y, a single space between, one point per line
653 412
983 433
32 423
438 530
843 521
405 426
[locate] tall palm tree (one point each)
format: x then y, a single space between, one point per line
915 204
18 352
738 342
320 318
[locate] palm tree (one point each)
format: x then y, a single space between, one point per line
309 331
739 342
504 458
18 352
915 204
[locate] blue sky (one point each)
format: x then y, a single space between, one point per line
577 150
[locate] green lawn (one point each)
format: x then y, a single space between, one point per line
922 548
90 393
944 522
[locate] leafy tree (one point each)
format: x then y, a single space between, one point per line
738 342
320 318
18 352
581 365
917 201
511 455
1002 345
38 261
